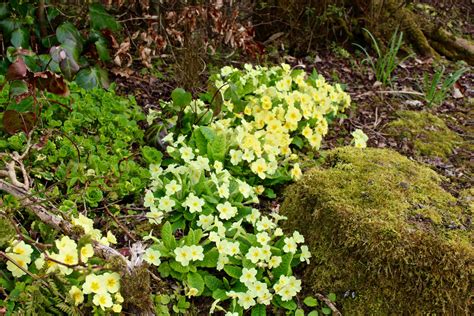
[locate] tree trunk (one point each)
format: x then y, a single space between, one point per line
428 39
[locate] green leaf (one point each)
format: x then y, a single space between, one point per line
164 269
313 313
178 267
100 19
21 38
299 312
326 311
17 88
285 266
210 259
259 310
200 141
92 77
196 281
217 148
167 236
298 141
197 236
4 10
208 133
102 50
219 294
233 271
332 297
180 97
310 301
269 193
289 305
212 282
67 32
151 155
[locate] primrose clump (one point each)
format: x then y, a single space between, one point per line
383 234
425 133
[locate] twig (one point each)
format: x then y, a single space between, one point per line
330 304
401 92
19 267
125 230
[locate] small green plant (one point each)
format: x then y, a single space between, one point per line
315 307
436 88
72 54
387 61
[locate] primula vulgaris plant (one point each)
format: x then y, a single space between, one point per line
207 188
262 116
231 252
73 265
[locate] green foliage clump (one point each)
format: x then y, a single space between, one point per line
426 133
387 60
91 150
69 51
380 227
437 88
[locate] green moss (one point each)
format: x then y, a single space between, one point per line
380 225
7 232
427 134
136 290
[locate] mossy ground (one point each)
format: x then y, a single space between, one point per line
426 134
380 225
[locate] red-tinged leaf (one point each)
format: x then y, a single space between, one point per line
14 121
52 82
17 70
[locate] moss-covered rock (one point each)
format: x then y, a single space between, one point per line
380 226
425 133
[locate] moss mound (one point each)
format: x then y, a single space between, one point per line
381 229
426 133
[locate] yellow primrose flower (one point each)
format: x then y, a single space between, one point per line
248 275
172 187
112 281
296 173
196 253
360 139
94 284
66 243
22 249
77 295
21 261
166 204
152 257
290 245
193 203
192 292
111 238
39 262
254 254
226 210
116 308
119 298
259 167
182 255
274 262
104 300
84 222
266 102
86 252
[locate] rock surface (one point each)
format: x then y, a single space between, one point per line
383 233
